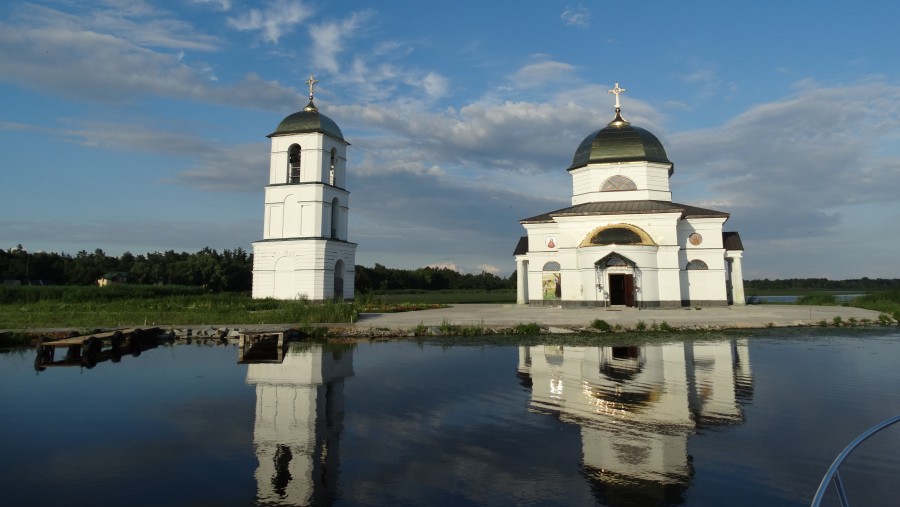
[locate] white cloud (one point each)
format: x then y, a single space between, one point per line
445 265
576 16
274 21
489 268
434 84
240 168
222 5
142 24
87 65
785 168
329 40
541 73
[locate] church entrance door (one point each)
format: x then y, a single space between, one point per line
621 289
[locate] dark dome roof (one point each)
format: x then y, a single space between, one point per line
308 120
619 141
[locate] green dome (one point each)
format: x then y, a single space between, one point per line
619 141
308 120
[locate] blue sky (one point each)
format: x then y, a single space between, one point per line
140 126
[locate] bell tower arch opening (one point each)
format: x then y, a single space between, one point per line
294 164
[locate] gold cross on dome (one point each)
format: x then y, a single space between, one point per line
616 91
311 82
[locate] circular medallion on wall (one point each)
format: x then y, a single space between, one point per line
695 238
550 242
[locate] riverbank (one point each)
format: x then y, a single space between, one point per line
497 319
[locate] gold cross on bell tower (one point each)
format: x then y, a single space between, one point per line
312 83
616 91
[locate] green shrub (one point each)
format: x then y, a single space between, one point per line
527 329
837 320
641 326
601 325
817 300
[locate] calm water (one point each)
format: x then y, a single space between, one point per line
735 422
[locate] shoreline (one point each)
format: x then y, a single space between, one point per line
498 319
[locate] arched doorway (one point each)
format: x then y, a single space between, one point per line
339 280
616 279
621 289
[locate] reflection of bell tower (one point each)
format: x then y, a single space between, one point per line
299 419
305 252
637 407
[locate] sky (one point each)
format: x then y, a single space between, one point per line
140 125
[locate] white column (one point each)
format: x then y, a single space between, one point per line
521 281
737 277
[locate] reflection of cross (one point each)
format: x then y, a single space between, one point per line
616 91
312 82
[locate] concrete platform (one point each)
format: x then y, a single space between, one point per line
505 315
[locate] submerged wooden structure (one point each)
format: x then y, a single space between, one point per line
264 346
89 349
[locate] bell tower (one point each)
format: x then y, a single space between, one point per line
304 252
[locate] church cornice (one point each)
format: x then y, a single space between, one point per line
326 185
305 238
626 208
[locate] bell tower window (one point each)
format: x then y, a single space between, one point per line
335 217
332 167
294 164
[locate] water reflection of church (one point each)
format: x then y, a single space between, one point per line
637 406
299 420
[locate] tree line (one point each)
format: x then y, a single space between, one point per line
860 284
383 279
228 271
232 271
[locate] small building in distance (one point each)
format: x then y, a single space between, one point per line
113 278
623 242
304 253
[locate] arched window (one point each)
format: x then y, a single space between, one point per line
335 217
331 177
697 264
294 164
339 279
617 183
551 281
617 236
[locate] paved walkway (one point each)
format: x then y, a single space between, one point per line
508 315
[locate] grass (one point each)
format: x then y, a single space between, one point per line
126 305
446 297
223 308
888 303
817 299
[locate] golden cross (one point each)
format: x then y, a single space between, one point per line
312 82
616 91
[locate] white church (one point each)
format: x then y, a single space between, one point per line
304 253
623 242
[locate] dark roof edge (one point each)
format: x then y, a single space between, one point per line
731 240
308 131
521 246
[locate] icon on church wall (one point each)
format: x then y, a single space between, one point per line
550 242
551 285
695 238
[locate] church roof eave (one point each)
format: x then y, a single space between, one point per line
627 208
732 241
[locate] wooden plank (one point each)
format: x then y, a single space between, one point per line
79 340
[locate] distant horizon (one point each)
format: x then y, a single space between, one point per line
141 124
502 275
